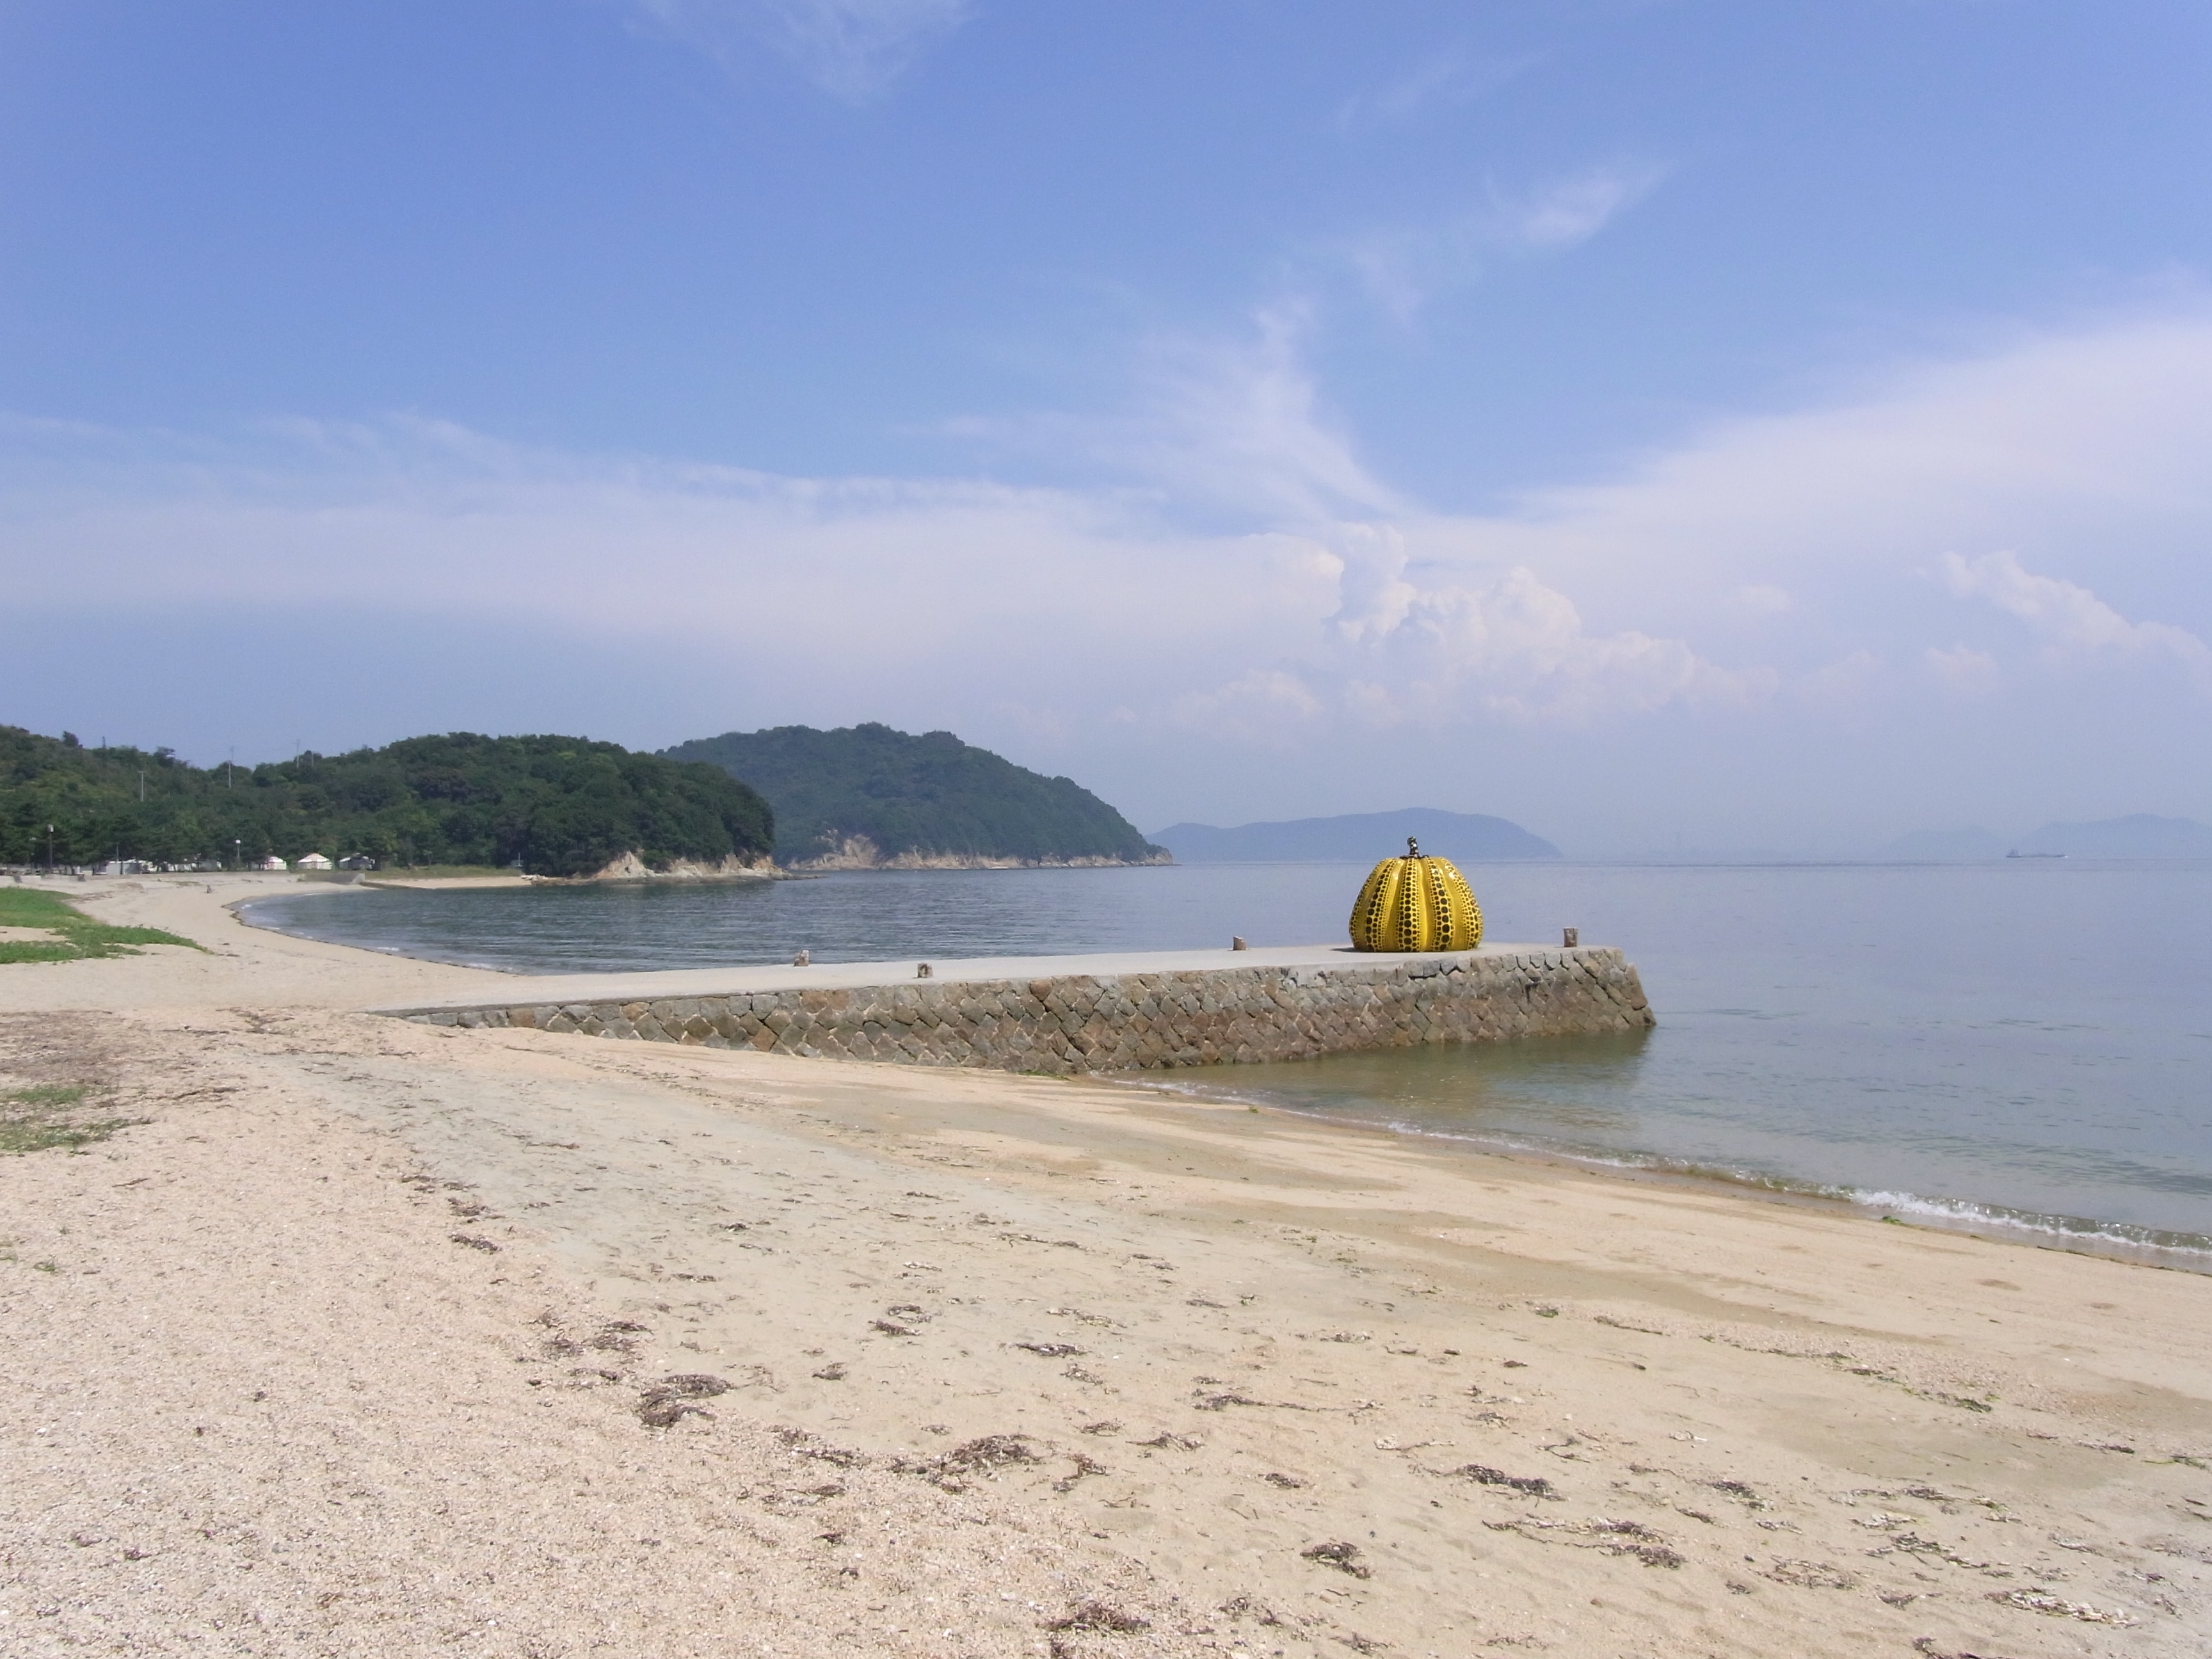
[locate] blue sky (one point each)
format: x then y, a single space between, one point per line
1651 420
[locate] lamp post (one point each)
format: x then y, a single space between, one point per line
50 849
237 853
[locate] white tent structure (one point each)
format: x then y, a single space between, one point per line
313 861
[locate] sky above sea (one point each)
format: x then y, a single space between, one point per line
1659 423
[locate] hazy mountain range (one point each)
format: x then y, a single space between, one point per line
1469 836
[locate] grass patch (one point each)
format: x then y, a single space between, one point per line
39 1119
77 935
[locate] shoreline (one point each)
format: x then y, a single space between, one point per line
1983 1220
2107 1239
629 1346
2136 1243
1932 1213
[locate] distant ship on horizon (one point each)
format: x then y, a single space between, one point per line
2017 853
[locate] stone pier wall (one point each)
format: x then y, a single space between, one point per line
1134 1021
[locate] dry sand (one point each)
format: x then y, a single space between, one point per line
359 1344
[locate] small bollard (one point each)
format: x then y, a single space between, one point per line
1236 943
1569 937
923 970
802 960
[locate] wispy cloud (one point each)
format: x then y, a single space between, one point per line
1571 211
1404 266
1271 708
851 49
1963 670
1230 423
1244 418
1452 76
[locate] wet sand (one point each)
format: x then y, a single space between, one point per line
362 1341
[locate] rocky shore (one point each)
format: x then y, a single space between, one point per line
859 853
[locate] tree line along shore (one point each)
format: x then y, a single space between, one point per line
559 806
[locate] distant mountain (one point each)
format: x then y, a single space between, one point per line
2140 836
1358 836
1946 846
865 797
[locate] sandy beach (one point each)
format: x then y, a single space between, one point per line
372 1338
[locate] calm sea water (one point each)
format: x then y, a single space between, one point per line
2016 1046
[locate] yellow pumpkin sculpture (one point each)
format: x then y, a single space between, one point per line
1416 903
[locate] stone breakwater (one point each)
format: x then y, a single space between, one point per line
1100 1021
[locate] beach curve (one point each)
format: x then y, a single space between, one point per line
1050 1353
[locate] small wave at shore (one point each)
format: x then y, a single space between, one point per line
2124 1241
2155 1245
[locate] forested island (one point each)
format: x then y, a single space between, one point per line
547 805
869 797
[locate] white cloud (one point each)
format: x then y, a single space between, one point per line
2068 616
1517 649
1764 599
1246 420
847 583
1513 648
1846 682
1760 573
1963 670
1571 210
1374 598
1267 705
851 49
1403 267
1233 424
2090 440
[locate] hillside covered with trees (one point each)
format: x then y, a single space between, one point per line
867 794
557 805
